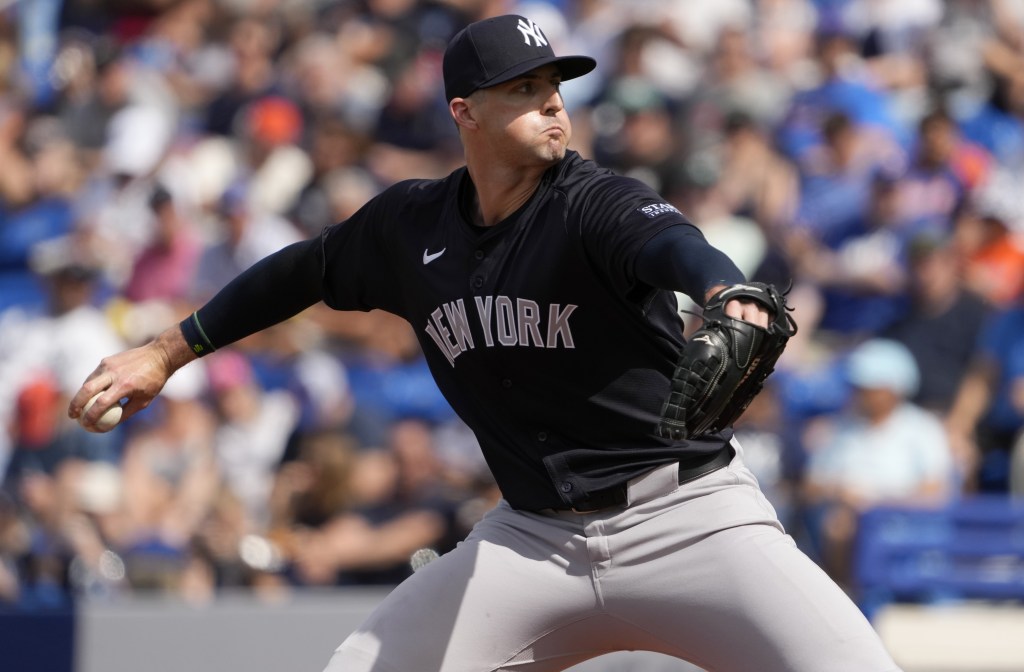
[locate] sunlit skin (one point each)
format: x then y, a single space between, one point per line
526 115
527 118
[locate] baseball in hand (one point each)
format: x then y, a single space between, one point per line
108 420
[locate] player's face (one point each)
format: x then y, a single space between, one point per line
525 118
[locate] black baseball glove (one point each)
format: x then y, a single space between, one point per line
724 365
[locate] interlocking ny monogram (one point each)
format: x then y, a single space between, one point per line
529 30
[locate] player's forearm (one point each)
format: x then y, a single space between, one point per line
271 291
679 258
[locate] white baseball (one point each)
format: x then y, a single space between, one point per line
422 558
108 420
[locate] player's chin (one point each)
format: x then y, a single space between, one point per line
553 150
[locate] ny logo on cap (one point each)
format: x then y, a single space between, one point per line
529 30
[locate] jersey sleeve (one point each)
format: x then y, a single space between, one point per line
358 261
681 259
619 216
270 291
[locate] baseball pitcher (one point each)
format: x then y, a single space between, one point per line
541 287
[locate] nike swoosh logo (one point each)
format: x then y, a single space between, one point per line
427 257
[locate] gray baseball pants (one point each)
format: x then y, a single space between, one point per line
701 571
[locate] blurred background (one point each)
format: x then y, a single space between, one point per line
867 153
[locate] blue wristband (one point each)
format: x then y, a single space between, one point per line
194 335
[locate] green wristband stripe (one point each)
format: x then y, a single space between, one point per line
199 327
194 335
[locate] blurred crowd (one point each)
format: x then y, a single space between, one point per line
867 154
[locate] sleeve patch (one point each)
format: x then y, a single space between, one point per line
657 209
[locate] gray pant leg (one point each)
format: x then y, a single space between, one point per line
511 583
702 572
712 575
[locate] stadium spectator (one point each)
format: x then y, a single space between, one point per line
942 323
989 234
114 205
252 45
337 177
271 167
40 177
251 433
756 180
296 358
164 269
636 135
844 87
998 123
933 188
882 449
848 243
43 352
96 82
345 516
245 237
735 82
170 479
987 414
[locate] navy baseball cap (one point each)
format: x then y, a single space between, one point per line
498 49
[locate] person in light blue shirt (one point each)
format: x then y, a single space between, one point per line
882 449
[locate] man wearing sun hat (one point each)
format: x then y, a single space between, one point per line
882 449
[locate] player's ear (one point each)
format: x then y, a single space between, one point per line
462 112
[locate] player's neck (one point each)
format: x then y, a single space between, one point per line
500 190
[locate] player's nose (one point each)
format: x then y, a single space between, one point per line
554 103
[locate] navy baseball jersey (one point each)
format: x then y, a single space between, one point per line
537 330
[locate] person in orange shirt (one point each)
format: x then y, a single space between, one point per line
993 250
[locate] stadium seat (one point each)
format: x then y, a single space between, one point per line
970 549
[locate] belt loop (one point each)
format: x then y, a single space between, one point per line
660 481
